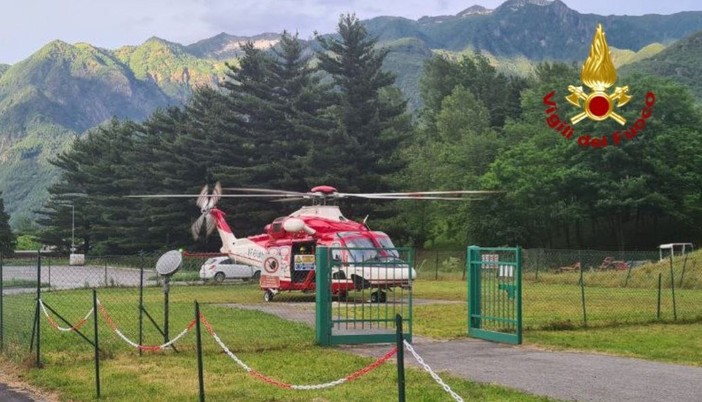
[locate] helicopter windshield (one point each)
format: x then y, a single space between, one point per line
368 246
386 244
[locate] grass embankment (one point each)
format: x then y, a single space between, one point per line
281 349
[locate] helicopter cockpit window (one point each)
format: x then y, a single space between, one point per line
360 248
386 244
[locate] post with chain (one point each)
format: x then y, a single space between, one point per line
400 359
198 336
95 343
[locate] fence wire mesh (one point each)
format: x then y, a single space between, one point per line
135 308
561 289
575 288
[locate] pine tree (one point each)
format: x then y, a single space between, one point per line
358 155
8 240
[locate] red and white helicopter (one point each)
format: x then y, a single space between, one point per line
285 252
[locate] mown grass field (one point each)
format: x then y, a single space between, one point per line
621 316
281 349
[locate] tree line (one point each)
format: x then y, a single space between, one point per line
292 118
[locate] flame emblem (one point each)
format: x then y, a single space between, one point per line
598 74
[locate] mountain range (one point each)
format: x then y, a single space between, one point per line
63 90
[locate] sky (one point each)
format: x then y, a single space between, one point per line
26 26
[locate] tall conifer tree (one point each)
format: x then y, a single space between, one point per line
359 155
8 240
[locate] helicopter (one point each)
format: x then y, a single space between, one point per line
285 251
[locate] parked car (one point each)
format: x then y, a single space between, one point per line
221 268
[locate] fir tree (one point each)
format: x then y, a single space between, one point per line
358 155
8 240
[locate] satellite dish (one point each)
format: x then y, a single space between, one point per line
169 263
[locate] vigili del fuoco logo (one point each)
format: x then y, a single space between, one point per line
598 104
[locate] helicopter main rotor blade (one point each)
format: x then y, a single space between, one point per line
421 193
266 191
206 196
292 199
414 197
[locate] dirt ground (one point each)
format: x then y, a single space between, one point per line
13 388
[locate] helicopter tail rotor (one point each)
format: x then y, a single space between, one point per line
206 202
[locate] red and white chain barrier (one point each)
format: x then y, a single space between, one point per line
111 324
431 372
280 384
54 324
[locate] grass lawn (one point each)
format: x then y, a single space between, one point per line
558 306
285 350
674 343
278 348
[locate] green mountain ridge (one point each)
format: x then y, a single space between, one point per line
171 66
52 97
63 90
680 61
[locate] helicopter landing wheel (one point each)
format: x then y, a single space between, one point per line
342 296
268 295
379 297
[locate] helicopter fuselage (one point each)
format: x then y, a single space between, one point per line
285 253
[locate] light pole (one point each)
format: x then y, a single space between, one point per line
73 228
75 259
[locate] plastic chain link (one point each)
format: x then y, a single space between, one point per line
256 374
53 323
432 373
111 324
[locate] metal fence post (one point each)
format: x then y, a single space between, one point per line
672 287
682 275
582 296
400 360
96 339
660 282
518 268
200 376
436 266
38 316
141 301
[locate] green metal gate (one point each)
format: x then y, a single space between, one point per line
495 294
359 294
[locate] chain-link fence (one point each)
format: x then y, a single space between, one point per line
142 310
561 289
576 288
573 288
440 264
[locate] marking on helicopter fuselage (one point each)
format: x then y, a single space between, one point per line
271 265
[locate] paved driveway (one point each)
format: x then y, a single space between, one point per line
71 277
562 375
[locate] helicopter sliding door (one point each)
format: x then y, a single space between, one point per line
303 261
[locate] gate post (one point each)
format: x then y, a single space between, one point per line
518 268
473 288
322 298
